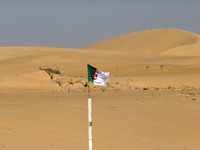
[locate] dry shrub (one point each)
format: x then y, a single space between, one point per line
51 72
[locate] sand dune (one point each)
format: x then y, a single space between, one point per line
155 41
150 102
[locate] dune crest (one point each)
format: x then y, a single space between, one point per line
156 41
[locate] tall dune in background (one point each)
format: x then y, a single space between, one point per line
147 42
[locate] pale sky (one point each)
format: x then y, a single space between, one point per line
79 23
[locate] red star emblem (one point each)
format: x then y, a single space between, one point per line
94 75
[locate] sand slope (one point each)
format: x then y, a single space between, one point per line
144 120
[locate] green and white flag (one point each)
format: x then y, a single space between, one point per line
96 76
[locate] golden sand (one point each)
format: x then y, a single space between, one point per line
151 102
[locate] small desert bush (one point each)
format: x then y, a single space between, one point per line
51 72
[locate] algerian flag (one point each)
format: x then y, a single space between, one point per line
96 76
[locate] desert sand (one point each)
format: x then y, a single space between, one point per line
151 101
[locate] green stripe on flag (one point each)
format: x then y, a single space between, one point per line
91 73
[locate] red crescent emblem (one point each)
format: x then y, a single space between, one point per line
94 77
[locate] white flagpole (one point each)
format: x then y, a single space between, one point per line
90 122
89 119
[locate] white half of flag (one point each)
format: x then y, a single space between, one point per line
101 78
